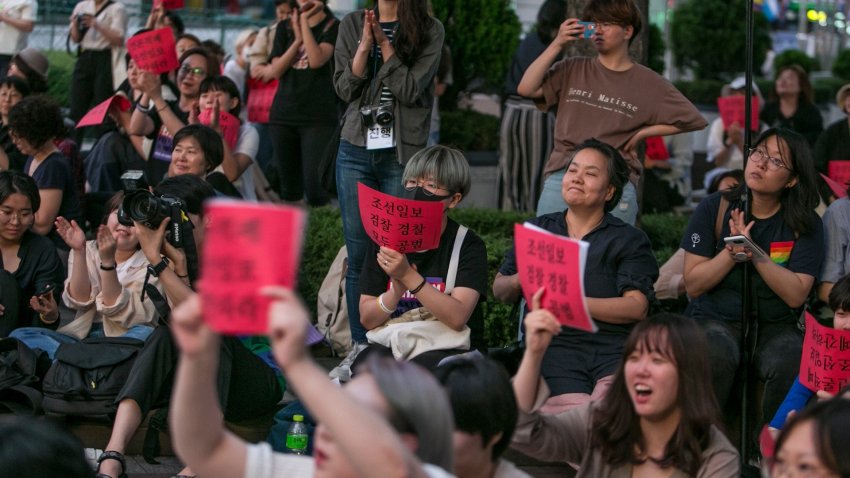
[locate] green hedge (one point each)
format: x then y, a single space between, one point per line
59 75
324 238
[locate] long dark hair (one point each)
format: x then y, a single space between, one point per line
799 201
616 427
831 422
414 21
807 94
549 18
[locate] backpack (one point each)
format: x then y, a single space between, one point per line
86 377
331 309
21 369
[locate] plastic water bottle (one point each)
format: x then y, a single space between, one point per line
296 436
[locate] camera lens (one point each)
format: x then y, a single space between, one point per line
384 117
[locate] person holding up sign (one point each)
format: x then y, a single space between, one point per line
578 366
385 62
789 237
658 419
396 287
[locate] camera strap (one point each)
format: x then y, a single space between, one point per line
191 251
96 13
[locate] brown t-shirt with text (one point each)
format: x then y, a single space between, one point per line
611 106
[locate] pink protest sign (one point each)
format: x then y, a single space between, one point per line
260 98
838 189
732 111
656 149
247 246
839 171
557 263
403 225
825 364
227 124
154 51
97 115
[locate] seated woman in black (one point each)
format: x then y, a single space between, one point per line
579 366
34 123
393 283
198 150
780 175
12 90
28 262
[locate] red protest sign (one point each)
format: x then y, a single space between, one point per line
825 364
97 115
838 189
247 246
260 98
227 124
403 225
557 263
154 51
656 149
173 4
839 171
732 111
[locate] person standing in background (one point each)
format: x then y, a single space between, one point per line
17 19
96 27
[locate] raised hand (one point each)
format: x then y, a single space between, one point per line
106 245
71 233
190 332
540 326
288 321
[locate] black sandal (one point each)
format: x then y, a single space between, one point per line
112 455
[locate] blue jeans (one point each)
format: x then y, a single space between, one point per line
50 340
551 199
379 169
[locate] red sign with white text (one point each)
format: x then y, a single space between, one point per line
173 4
825 364
838 189
656 149
403 225
97 115
556 262
839 171
732 111
260 97
154 51
247 246
227 124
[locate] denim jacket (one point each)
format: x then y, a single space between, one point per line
412 87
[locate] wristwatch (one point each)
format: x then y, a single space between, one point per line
156 270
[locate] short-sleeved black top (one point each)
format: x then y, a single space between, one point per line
55 173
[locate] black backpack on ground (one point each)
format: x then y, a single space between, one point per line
21 369
86 377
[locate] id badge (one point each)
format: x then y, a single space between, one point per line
379 137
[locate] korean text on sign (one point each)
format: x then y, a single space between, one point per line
825 364
154 51
403 225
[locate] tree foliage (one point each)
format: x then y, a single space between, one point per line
795 57
709 37
482 36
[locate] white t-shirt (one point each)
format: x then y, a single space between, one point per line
113 17
262 462
13 40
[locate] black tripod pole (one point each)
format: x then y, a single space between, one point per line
745 299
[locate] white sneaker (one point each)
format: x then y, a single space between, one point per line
343 370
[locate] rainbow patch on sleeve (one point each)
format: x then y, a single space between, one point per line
780 252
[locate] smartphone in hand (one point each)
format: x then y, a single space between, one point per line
589 28
744 241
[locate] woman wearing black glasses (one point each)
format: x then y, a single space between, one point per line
159 114
780 175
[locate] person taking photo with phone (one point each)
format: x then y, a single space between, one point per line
608 97
780 175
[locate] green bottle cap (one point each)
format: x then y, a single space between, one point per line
298 418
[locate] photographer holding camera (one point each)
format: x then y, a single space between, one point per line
96 26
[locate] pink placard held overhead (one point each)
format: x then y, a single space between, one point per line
247 246
97 115
154 51
557 263
656 149
260 98
732 111
227 124
403 225
825 364
839 171
838 189
173 4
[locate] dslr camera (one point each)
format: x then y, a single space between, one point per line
142 206
380 114
81 26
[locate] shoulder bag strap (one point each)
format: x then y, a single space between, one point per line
452 274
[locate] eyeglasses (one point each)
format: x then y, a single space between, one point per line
606 25
197 71
23 217
429 186
760 156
